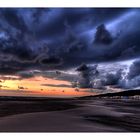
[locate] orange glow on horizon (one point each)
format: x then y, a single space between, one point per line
34 86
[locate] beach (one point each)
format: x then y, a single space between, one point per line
70 115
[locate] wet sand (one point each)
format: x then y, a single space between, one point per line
73 115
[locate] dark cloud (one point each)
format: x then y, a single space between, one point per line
134 70
37 13
82 67
76 17
26 74
60 85
2 86
14 19
14 46
72 42
113 79
77 90
64 76
100 79
118 78
22 88
86 74
62 38
130 83
102 35
9 68
133 77
51 61
13 67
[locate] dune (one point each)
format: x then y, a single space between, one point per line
90 116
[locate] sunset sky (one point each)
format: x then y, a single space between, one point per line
66 52
34 86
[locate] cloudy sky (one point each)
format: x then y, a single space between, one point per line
69 51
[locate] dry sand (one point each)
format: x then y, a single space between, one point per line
89 116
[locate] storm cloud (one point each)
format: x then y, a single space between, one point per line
54 42
32 37
133 77
60 85
86 74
